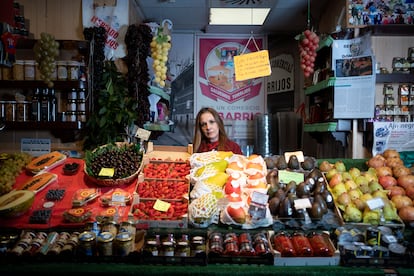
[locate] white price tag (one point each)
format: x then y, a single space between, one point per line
299 155
302 203
143 134
375 203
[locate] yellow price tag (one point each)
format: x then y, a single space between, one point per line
108 172
252 65
162 206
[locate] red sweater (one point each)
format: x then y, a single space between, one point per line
228 146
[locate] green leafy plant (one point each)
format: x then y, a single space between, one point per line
114 110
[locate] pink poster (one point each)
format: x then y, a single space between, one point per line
237 101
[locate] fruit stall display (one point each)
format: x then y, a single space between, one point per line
238 207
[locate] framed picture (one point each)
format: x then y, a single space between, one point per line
361 13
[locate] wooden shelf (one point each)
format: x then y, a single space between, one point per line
22 84
390 30
44 125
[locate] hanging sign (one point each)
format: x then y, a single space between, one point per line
252 65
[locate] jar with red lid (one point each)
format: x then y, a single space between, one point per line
320 244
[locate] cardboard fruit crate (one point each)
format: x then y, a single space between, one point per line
167 221
167 153
239 257
280 260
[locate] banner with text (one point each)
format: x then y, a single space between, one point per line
216 86
393 135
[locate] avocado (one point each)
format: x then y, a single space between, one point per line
308 164
274 204
270 162
281 163
303 190
318 198
316 211
293 163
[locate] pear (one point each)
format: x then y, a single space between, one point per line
354 172
390 212
361 180
330 173
340 166
219 179
350 185
343 199
375 186
371 216
354 194
381 194
352 213
360 204
338 189
212 168
364 188
325 166
346 176
366 196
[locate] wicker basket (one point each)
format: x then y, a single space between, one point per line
113 182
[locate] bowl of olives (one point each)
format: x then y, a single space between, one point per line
113 164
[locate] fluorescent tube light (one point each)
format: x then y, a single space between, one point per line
238 16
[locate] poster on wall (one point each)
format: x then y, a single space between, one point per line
354 93
393 135
374 12
238 102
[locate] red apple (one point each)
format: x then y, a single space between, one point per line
387 181
395 190
406 180
409 191
237 214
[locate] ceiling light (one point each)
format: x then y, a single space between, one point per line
238 16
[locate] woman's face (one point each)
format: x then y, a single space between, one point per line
209 126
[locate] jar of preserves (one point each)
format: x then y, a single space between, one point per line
403 100
87 243
167 248
104 244
123 244
216 243
302 245
73 70
320 244
388 89
62 70
183 249
403 89
283 243
398 62
151 247
389 100
411 100
198 245
29 70
18 70
7 73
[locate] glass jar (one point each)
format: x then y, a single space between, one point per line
389 100
403 100
11 111
105 244
29 70
388 89
18 70
7 73
123 244
73 70
87 243
398 62
62 70
403 89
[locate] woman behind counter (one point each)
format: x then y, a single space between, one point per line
209 133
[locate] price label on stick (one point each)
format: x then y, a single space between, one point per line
143 134
162 206
108 172
375 203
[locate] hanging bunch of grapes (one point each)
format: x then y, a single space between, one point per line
160 46
308 44
46 50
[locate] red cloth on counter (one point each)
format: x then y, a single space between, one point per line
71 184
